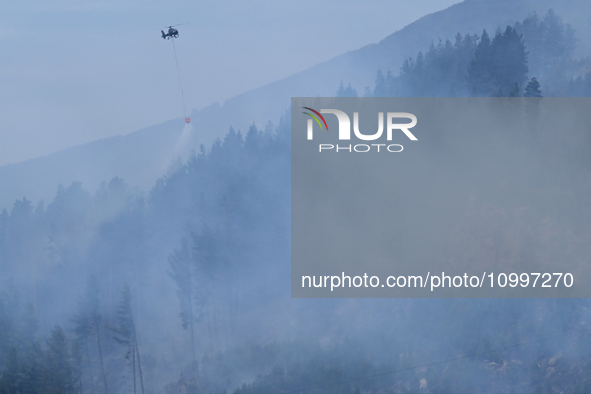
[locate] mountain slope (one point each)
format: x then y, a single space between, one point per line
143 156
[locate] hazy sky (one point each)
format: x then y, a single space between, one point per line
75 71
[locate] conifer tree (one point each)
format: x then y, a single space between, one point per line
380 89
515 91
479 74
58 373
34 370
498 64
532 105
182 273
87 323
11 377
126 335
346 92
532 89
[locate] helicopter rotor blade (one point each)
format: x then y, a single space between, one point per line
180 24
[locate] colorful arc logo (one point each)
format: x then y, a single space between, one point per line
316 118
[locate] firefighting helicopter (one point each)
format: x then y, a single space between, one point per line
172 32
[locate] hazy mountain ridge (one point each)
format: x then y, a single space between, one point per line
137 156
143 156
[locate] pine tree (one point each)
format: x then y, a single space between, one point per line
380 89
208 262
126 335
551 44
479 73
58 373
18 324
532 89
557 38
341 90
509 59
498 64
515 92
87 322
78 347
532 105
34 371
182 273
12 376
346 92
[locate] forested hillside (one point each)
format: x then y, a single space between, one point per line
498 65
185 289
142 156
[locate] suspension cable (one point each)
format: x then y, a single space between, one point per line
180 83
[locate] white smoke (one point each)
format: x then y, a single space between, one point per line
181 151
